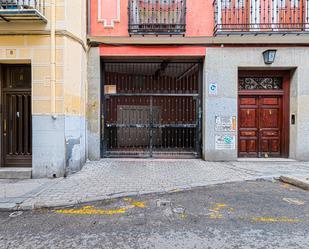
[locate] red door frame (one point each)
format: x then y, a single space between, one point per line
285 93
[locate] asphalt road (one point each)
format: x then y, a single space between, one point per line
240 215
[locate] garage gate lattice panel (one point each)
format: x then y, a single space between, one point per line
151 109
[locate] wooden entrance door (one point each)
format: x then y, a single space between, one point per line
16 116
260 126
263 117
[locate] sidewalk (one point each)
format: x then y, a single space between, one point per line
110 178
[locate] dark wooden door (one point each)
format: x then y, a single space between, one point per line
260 126
16 116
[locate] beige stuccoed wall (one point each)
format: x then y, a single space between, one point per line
59 141
36 50
221 67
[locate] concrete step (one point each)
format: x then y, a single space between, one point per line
270 159
15 173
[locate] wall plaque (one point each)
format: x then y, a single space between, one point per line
225 142
225 123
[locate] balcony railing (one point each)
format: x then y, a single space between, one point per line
261 16
22 10
157 16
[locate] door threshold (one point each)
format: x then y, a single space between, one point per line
253 159
15 172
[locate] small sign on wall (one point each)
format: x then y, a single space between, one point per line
213 89
110 89
225 123
225 142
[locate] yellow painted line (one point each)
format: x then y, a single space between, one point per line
127 199
138 204
88 207
216 216
93 211
216 211
89 210
279 219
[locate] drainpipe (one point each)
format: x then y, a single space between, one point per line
53 58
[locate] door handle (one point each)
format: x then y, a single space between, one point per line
4 127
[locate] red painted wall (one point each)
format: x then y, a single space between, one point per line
199 19
109 50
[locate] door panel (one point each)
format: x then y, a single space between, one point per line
16 119
269 118
248 117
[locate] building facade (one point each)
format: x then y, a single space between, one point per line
217 79
43 61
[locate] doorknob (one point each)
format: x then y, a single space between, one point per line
4 127
17 114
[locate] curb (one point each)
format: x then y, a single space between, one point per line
303 184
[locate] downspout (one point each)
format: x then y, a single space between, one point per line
53 59
88 16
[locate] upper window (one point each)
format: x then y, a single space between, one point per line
157 16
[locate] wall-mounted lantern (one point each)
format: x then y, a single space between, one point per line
269 56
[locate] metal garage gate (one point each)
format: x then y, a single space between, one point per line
151 109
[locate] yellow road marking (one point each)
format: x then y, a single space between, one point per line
88 207
89 210
215 211
93 211
138 204
280 219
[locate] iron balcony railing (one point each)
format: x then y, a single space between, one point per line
269 16
22 10
157 16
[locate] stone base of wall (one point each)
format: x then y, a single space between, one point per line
58 145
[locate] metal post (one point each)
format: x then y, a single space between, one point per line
151 126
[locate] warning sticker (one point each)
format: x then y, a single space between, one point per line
225 142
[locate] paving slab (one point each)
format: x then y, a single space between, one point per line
14 192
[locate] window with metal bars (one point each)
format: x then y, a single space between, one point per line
157 16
